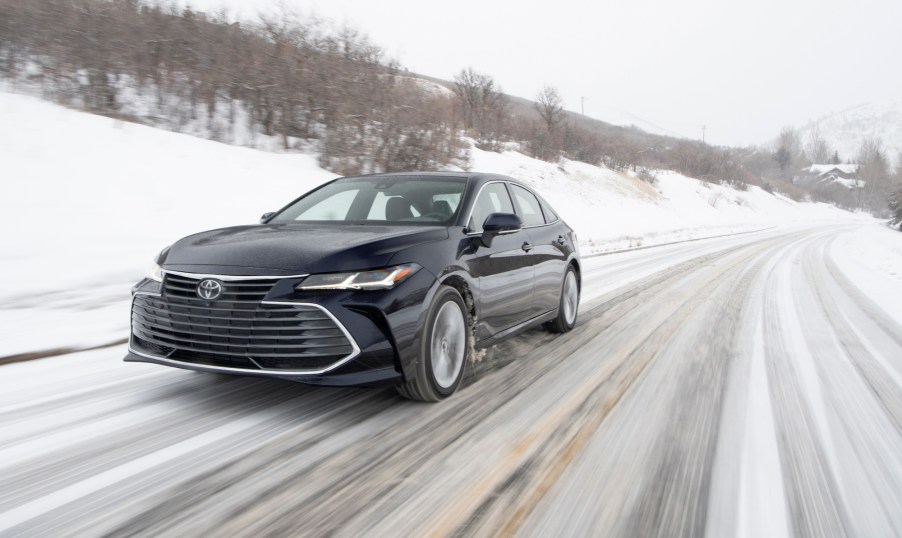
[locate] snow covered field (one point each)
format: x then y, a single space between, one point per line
88 201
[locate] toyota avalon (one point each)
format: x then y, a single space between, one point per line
386 279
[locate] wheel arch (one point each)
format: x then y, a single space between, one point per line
420 383
463 288
574 262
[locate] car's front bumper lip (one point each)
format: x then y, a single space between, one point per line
386 375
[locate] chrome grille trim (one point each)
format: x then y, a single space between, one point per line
201 276
237 293
250 332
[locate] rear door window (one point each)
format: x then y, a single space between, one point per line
528 207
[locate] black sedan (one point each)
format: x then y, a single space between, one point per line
370 280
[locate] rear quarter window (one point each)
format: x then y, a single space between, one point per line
550 215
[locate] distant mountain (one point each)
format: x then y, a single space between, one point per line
844 131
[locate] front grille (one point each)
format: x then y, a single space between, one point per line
237 330
239 291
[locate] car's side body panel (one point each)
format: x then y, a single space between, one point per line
504 275
551 252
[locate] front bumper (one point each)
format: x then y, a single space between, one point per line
381 328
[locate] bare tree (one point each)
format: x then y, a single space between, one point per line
874 170
550 106
816 148
484 108
546 139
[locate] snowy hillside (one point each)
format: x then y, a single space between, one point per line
844 131
612 211
88 201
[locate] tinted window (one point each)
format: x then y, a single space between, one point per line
529 209
404 200
550 215
492 199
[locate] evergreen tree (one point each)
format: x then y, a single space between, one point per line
783 157
788 151
895 198
895 207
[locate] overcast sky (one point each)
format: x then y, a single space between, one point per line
742 69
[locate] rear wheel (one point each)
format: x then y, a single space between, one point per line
443 349
567 310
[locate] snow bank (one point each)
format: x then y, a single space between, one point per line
871 257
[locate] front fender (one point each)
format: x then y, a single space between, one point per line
409 330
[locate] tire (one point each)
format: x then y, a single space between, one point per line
569 306
444 349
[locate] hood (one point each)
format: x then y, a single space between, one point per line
292 249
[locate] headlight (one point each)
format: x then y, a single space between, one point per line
155 273
379 279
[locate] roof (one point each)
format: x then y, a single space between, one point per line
476 176
827 168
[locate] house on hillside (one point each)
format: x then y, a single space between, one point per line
842 174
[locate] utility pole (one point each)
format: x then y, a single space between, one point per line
704 128
582 105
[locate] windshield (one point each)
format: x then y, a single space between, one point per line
384 200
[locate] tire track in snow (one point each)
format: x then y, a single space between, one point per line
648 472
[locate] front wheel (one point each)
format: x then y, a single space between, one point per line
443 349
567 310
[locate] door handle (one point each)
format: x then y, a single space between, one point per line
526 246
560 240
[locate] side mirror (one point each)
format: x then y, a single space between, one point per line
499 224
266 217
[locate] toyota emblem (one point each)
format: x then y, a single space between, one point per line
209 289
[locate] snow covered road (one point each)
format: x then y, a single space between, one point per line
748 385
